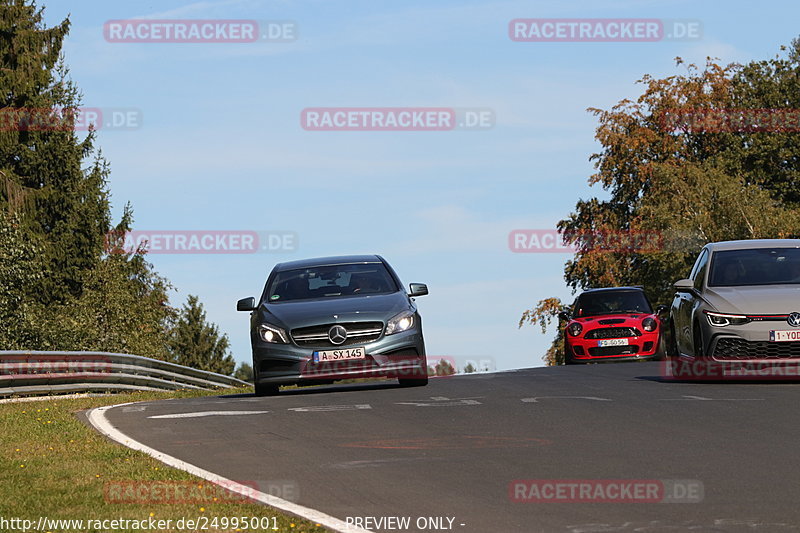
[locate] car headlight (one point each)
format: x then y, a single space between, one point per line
575 329
272 334
649 324
400 322
721 320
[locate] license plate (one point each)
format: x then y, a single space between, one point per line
344 354
612 342
784 335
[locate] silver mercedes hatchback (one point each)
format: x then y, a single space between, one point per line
331 318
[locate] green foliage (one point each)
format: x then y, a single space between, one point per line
244 372
60 288
197 343
20 272
443 368
469 369
543 314
41 168
687 186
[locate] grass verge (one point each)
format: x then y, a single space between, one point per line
53 465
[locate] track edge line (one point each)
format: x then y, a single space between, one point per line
98 420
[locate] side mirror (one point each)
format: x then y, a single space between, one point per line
662 311
246 304
418 289
683 285
565 316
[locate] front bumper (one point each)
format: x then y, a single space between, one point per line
749 342
399 356
641 348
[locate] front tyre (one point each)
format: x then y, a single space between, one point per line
266 389
416 382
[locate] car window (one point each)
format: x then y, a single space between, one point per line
699 271
331 281
611 302
761 266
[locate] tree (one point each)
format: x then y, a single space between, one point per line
244 372
469 369
60 289
41 157
196 343
444 368
685 185
20 270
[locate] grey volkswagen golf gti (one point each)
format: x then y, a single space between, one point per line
330 318
740 305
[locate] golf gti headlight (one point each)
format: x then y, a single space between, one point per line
400 322
649 324
575 329
721 320
273 334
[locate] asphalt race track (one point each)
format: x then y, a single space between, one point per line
444 456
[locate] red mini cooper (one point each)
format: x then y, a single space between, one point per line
612 324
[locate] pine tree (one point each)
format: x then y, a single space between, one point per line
60 290
196 343
41 158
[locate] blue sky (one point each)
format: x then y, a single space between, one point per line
221 147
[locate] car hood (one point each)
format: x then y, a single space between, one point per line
761 299
302 313
623 319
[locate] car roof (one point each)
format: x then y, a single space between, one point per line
609 289
328 261
753 244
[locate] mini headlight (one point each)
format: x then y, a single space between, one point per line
272 334
721 320
649 324
400 322
575 329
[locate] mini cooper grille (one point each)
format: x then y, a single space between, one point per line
357 333
739 349
630 349
612 333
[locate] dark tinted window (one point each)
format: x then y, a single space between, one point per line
610 302
761 266
699 270
331 282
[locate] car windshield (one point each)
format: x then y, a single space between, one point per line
331 281
760 266
611 302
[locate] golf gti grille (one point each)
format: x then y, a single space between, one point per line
728 349
612 333
357 333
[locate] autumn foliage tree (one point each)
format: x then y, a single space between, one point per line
687 185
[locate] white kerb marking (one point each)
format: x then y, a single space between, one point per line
97 418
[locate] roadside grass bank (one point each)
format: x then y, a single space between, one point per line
54 465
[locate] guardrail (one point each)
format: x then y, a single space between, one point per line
38 372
